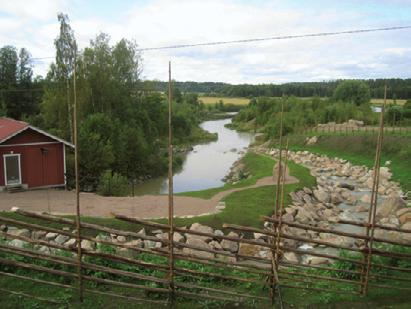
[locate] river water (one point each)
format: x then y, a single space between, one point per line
206 165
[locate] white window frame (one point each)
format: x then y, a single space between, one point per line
5 168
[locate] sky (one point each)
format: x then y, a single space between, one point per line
152 23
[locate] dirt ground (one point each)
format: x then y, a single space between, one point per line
62 202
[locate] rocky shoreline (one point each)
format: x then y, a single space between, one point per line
342 192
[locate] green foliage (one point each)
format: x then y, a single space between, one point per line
16 84
352 91
112 184
264 114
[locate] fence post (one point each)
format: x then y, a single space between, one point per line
170 193
367 258
76 171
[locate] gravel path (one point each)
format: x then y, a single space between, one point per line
147 206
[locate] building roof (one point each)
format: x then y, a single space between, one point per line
10 127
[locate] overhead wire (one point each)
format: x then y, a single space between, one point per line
280 37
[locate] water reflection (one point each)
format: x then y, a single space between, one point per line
207 164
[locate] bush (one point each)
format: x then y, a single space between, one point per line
112 184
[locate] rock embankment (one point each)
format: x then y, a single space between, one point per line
350 124
342 191
238 171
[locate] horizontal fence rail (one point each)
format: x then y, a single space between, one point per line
319 278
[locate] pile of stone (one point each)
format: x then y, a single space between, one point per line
352 123
237 172
340 182
221 249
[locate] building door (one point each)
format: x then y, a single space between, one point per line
12 169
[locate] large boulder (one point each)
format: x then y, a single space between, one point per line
61 239
322 196
88 245
404 215
200 228
18 243
290 257
389 206
20 232
304 216
51 236
250 249
229 245
311 141
199 244
315 260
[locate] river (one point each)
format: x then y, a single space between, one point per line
206 165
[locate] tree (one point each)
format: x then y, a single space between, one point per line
407 109
17 99
352 91
95 149
8 79
66 50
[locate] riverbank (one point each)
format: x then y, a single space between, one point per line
204 165
360 150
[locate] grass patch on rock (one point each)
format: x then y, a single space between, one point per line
360 150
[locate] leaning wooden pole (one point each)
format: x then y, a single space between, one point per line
170 189
274 251
76 171
281 207
278 191
373 204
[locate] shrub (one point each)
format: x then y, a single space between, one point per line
112 184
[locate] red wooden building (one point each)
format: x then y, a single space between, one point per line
31 158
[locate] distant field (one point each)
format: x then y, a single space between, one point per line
245 101
389 101
226 100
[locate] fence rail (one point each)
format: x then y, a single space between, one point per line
354 130
188 282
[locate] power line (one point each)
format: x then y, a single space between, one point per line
281 37
285 37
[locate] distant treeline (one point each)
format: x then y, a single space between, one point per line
397 88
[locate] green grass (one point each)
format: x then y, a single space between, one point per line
360 150
259 166
245 207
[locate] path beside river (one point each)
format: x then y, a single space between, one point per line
147 206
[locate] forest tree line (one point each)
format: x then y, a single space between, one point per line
397 88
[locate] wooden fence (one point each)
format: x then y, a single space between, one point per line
186 282
353 130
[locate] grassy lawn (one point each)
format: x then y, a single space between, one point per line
226 100
360 150
245 207
259 167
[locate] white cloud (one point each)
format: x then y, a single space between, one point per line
163 22
33 9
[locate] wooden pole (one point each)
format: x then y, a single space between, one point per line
170 190
76 169
274 251
373 205
277 196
